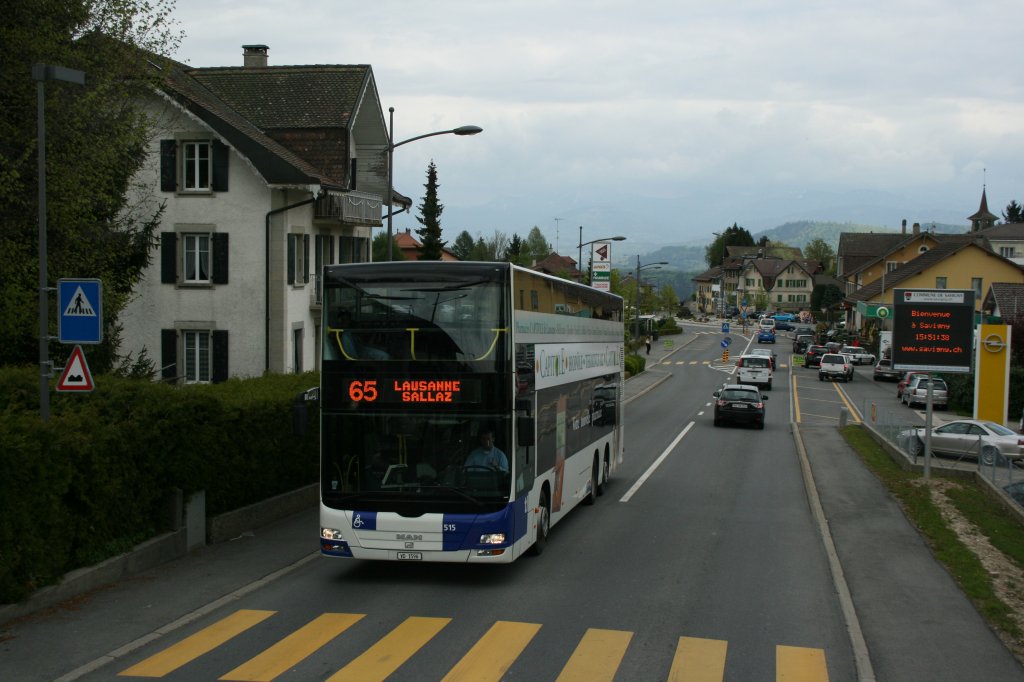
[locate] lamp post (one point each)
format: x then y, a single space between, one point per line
42 73
636 317
594 241
461 130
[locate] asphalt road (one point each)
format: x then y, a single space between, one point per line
703 560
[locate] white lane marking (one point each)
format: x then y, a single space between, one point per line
650 470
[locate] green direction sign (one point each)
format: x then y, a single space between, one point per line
880 310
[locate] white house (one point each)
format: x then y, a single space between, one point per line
267 173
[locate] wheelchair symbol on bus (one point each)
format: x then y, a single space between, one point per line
357 521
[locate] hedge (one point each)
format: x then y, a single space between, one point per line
95 478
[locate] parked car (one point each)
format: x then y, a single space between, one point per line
812 358
739 403
784 317
754 370
765 336
904 380
976 438
801 343
861 356
835 366
885 372
916 392
783 326
768 353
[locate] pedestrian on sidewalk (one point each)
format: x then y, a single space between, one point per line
647 340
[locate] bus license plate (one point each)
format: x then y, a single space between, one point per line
410 556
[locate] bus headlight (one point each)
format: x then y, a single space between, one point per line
331 534
492 539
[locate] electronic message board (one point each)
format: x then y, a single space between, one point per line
933 330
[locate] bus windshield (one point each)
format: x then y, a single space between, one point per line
415 374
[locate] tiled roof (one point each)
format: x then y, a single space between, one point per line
289 121
1005 231
554 264
865 262
1008 297
923 262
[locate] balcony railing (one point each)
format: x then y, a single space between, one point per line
316 291
351 208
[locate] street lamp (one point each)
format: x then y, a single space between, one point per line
42 73
636 317
594 241
461 130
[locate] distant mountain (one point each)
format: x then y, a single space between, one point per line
801 232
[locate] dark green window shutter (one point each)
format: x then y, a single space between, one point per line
168 166
168 257
305 257
220 166
291 259
168 354
220 355
220 258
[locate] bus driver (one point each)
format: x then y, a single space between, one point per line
487 455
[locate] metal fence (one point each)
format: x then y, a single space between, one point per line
899 427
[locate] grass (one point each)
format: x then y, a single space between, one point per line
985 513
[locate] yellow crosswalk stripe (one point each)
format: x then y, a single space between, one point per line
800 664
597 656
494 653
191 648
698 660
394 649
294 648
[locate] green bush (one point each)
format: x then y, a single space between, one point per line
94 479
635 364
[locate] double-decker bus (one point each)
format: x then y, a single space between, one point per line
465 408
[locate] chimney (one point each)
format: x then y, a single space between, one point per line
254 56
904 226
917 228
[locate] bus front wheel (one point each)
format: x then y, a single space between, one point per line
543 524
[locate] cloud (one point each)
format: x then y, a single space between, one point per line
701 107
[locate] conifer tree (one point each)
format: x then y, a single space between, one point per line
430 219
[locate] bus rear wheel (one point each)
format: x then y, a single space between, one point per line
543 525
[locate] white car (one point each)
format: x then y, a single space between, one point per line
984 440
754 370
860 356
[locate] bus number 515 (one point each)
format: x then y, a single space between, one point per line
363 390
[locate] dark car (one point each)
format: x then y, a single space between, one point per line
802 342
739 403
783 325
812 358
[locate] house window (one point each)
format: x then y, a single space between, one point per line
194 166
534 300
195 258
198 358
976 285
940 282
1006 251
891 265
298 258
195 169
297 350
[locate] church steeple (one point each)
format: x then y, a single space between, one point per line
983 219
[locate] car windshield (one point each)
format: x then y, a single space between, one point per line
756 361
937 384
740 394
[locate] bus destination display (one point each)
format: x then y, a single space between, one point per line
411 392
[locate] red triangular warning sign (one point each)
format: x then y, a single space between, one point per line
76 375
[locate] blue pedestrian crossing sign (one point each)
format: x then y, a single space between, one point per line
725 327
81 311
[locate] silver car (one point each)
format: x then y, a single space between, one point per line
975 438
916 392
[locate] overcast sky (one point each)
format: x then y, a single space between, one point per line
664 121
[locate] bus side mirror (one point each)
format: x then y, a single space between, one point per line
524 431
